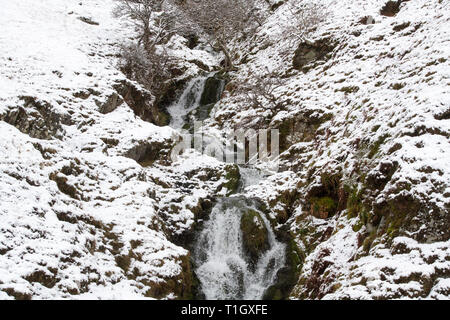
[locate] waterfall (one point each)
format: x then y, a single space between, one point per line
187 102
223 266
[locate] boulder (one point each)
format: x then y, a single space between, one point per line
254 235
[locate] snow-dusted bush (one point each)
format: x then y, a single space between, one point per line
149 68
306 16
220 21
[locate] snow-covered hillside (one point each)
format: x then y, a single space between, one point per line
364 119
79 217
92 205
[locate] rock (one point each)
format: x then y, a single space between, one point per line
391 8
142 102
37 119
111 103
308 52
367 20
300 128
254 235
233 177
145 153
88 21
213 90
322 207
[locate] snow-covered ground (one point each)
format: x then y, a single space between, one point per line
78 217
81 218
370 115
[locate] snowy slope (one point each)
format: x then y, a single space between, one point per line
79 217
92 206
368 121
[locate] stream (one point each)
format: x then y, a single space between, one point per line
224 267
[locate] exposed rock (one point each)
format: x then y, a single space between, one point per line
88 21
301 128
308 52
142 103
111 103
37 119
254 234
391 8
145 153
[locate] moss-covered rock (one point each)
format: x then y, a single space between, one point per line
254 235
212 90
286 277
322 207
233 177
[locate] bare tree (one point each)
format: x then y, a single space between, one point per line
260 91
306 15
142 12
221 20
150 69
144 61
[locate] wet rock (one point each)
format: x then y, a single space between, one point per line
254 235
212 90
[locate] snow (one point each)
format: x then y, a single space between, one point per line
402 79
56 244
67 244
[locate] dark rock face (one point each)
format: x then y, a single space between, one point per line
367 20
308 52
301 128
111 103
146 153
142 103
37 119
391 8
212 91
254 234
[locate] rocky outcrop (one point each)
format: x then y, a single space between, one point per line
37 118
308 52
141 102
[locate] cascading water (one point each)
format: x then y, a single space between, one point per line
223 266
198 97
187 102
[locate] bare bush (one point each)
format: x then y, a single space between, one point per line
306 16
151 69
260 91
151 22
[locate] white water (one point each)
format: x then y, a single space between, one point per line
187 102
223 268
